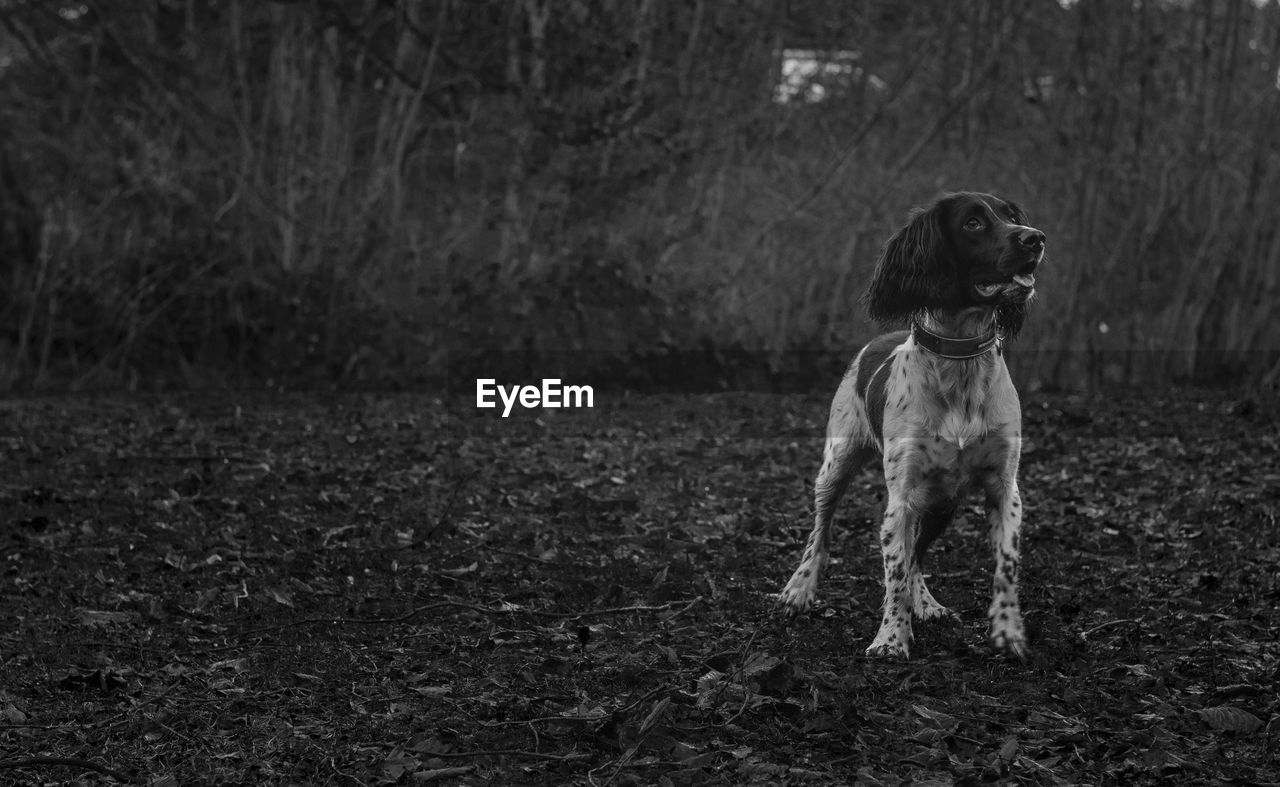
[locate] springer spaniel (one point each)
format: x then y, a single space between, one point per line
937 404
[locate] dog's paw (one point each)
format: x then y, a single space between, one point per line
890 643
929 609
924 606
801 592
794 601
888 651
938 612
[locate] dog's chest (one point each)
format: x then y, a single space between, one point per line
957 413
962 441
954 464
961 427
950 423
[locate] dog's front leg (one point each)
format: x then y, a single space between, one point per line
897 537
1004 519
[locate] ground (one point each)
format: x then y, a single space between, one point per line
349 589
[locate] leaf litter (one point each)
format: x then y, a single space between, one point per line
382 590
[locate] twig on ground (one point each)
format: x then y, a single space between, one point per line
71 762
443 773
532 755
1108 624
645 698
541 720
521 555
696 601
474 608
133 710
612 610
448 506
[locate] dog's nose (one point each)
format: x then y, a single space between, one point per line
1031 240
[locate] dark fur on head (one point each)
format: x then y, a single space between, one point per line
932 264
1010 316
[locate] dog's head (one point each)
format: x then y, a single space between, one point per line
966 250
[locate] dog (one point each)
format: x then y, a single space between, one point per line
936 403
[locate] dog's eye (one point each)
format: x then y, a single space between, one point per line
974 224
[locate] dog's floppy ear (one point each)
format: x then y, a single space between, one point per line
910 276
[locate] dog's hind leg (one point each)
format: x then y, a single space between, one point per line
932 522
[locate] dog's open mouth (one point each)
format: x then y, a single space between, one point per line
989 289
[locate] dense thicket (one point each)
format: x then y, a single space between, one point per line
357 190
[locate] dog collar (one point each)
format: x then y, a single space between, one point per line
955 349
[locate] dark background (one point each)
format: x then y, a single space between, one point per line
369 193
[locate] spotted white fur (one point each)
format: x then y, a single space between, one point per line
964 435
943 425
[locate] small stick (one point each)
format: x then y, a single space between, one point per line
72 762
1108 624
533 755
475 608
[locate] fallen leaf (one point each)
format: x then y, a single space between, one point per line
1230 719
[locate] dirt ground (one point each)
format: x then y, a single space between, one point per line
385 590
